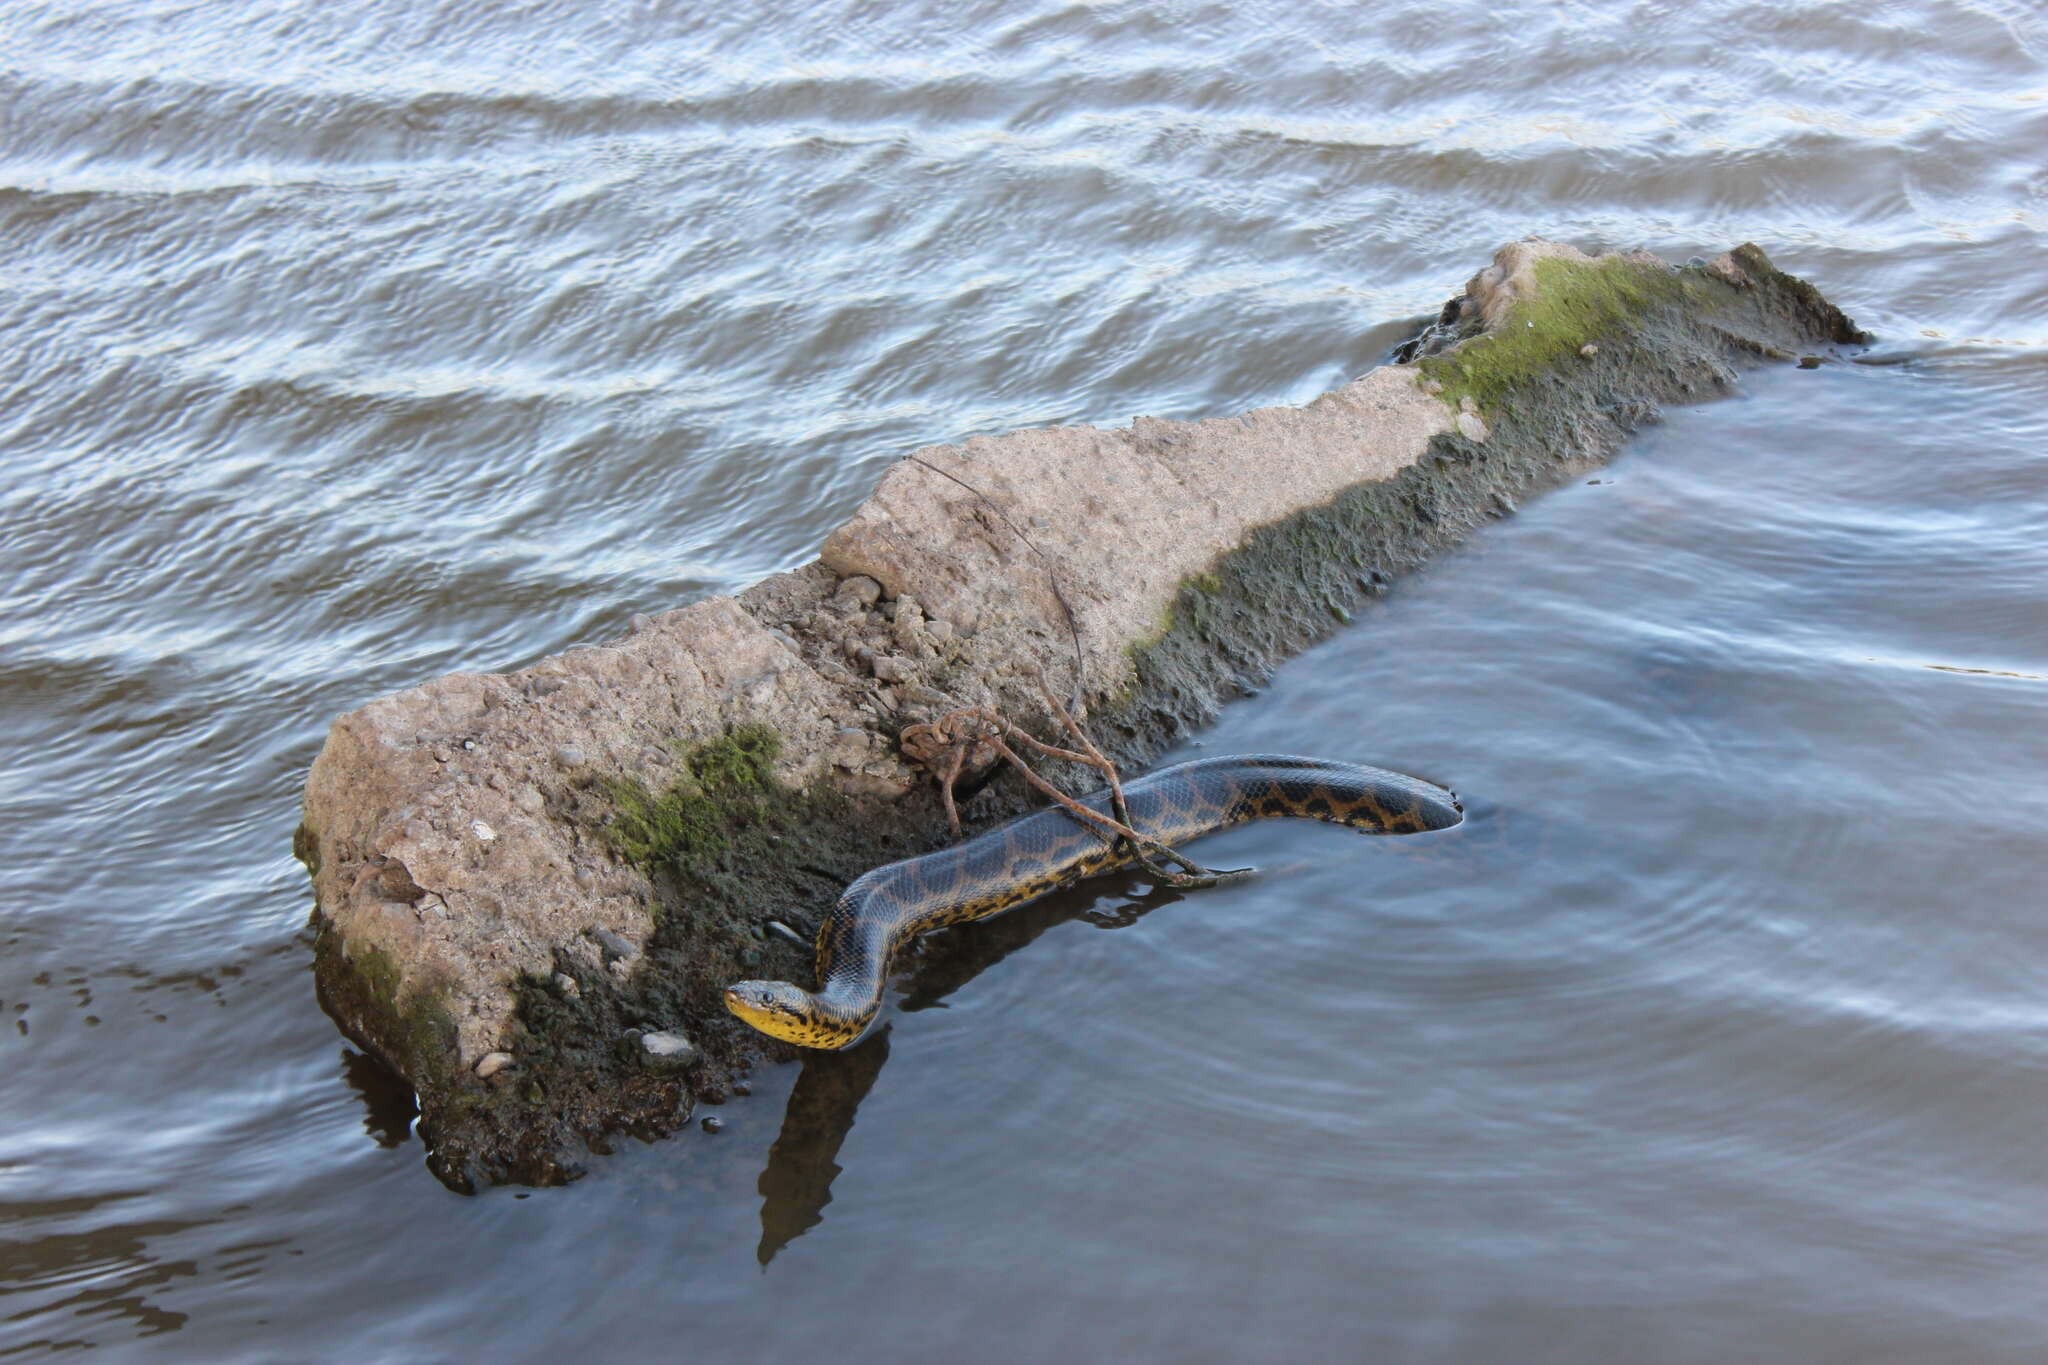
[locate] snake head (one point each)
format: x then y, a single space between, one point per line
777 1008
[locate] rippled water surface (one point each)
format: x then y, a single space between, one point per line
343 345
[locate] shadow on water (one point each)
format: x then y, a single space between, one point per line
389 1104
796 1184
942 963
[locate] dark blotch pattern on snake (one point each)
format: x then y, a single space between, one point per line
1048 849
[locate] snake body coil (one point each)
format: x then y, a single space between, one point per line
1048 849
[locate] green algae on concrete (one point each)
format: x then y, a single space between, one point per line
362 990
728 789
1576 304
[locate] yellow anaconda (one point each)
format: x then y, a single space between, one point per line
1048 849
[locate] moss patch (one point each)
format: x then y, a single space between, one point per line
362 990
728 789
413 1034
1575 303
306 848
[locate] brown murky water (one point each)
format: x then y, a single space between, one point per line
344 345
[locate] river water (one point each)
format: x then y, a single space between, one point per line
344 345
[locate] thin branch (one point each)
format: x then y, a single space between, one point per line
1095 756
959 756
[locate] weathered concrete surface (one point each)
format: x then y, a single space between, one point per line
495 918
1126 516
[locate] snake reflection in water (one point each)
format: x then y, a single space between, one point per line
1048 849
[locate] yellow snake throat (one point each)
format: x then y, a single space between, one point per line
1048 849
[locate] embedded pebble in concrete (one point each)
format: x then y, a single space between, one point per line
669 1049
615 946
859 589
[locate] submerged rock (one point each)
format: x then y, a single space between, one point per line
626 816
